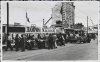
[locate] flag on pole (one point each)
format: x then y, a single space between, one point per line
27 18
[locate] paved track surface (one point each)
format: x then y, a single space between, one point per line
86 51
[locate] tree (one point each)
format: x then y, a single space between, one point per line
58 22
78 26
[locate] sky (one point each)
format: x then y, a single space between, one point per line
37 11
84 9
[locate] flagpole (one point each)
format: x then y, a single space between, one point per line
27 20
26 24
26 27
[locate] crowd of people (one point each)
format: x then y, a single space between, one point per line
40 41
30 41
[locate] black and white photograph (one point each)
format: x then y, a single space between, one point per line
49 31
50 0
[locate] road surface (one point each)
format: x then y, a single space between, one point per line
86 51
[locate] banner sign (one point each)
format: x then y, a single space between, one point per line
48 30
33 29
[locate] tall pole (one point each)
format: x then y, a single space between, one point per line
43 26
26 22
7 19
43 22
87 24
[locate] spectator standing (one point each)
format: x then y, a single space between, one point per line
50 41
22 41
17 42
9 43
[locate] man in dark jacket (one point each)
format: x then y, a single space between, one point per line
22 41
50 41
61 40
17 43
88 38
